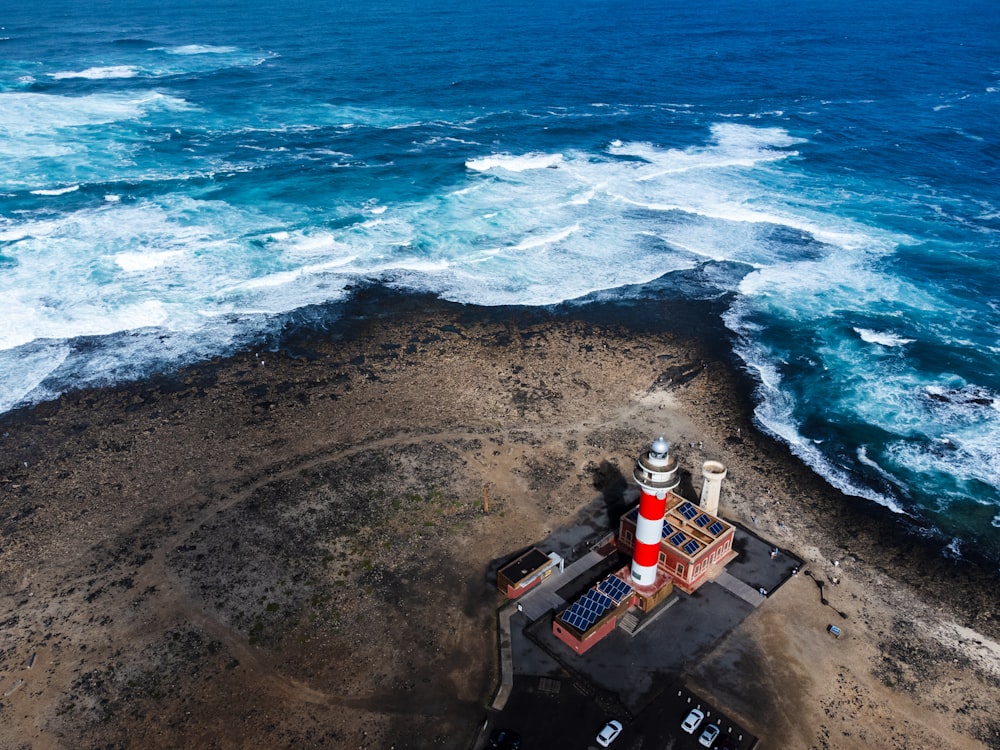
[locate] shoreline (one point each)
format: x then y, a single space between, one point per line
164 506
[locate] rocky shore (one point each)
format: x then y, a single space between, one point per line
292 548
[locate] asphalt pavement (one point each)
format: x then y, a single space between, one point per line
555 698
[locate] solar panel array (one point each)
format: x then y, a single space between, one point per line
702 521
687 510
615 588
678 539
716 528
691 547
586 610
667 529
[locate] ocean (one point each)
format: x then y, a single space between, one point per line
181 179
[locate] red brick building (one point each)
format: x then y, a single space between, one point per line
694 546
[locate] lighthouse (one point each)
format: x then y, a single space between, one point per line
656 474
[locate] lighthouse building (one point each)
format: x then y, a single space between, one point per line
672 542
668 535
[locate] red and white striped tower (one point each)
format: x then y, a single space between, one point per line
656 475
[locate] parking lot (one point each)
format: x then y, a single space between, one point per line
561 699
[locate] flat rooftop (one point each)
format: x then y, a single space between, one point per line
525 566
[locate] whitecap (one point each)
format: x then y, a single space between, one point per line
582 199
99 73
550 239
12 235
56 191
882 338
24 115
320 244
137 262
514 163
285 278
197 49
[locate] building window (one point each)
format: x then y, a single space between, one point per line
680 569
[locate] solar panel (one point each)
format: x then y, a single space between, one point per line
687 510
590 605
667 529
702 520
677 538
621 588
691 547
614 588
589 619
715 529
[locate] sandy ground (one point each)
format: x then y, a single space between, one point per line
277 551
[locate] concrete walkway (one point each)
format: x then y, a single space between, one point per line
506 658
747 593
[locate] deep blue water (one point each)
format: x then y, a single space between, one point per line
173 180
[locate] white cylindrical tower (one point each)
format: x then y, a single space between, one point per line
656 475
712 472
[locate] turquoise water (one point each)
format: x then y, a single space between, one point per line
174 181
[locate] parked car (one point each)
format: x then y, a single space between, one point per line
709 735
727 743
505 739
607 735
692 721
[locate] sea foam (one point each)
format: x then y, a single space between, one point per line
98 73
514 163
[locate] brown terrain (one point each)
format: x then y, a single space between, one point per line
293 551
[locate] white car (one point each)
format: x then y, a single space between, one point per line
692 721
607 735
709 735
